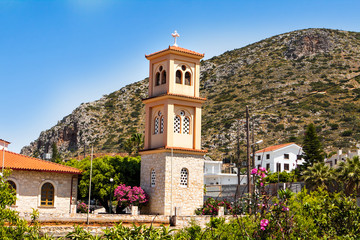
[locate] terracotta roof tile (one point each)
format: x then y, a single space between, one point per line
21 162
2 140
275 147
177 49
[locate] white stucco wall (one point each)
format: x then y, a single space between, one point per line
278 156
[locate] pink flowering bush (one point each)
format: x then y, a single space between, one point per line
82 207
130 196
263 224
211 207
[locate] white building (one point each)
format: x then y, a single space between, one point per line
278 158
213 175
341 157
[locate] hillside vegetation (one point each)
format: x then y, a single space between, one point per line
287 81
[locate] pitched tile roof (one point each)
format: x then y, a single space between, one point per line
17 161
2 140
275 147
177 49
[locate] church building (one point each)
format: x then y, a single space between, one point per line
172 161
48 187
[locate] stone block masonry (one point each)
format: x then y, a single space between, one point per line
167 194
28 191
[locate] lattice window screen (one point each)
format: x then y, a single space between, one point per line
184 177
161 124
186 125
177 122
156 126
153 178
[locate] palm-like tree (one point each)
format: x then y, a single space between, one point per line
138 142
348 173
319 175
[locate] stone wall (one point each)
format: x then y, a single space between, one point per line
167 194
28 191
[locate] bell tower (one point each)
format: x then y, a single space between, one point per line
172 159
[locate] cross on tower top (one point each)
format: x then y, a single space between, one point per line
175 35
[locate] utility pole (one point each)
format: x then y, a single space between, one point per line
238 162
253 142
248 150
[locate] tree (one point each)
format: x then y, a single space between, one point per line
348 173
11 225
55 154
318 175
123 170
138 142
128 146
313 152
134 144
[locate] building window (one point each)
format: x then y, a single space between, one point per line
187 78
259 166
278 167
177 124
267 156
153 178
47 195
163 77
161 124
259 158
160 76
286 166
178 77
184 175
157 79
186 125
12 184
286 156
268 166
156 126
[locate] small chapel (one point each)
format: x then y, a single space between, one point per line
172 162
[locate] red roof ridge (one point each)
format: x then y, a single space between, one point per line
71 169
275 147
178 49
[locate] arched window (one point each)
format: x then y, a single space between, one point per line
177 124
187 78
178 76
47 195
186 127
156 126
12 184
153 178
162 124
184 176
157 79
163 77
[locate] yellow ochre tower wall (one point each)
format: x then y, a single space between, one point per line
172 160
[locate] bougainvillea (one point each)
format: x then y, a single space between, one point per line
130 196
82 207
211 207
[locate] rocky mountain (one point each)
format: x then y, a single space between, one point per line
288 81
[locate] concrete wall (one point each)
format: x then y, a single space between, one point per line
28 190
168 194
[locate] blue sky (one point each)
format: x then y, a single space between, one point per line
55 55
